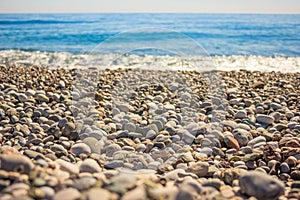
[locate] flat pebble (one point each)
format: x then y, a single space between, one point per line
266 119
261 185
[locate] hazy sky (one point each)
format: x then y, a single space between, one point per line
198 6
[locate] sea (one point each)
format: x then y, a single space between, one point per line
268 35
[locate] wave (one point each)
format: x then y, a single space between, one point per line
37 21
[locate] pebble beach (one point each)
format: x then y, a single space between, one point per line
142 133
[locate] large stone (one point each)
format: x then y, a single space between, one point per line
198 168
261 185
16 163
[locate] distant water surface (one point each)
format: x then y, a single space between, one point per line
219 34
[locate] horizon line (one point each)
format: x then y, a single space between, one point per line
168 12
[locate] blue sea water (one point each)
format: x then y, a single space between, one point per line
218 34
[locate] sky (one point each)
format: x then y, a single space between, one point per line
153 6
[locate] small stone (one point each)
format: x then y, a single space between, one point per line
240 114
275 106
67 166
67 194
291 161
266 119
16 163
48 191
130 127
90 165
231 142
261 185
232 174
242 136
258 84
256 140
122 182
216 183
68 128
111 149
22 97
150 134
187 137
295 175
198 168
59 149
98 193
62 84
114 164
296 184
284 168
139 193
80 148
94 144
84 183
41 97
173 175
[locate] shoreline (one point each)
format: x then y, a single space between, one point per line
199 63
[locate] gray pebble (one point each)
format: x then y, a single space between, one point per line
266 119
90 165
16 163
114 164
242 136
80 148
261 185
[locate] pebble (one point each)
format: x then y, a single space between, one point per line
139 193
84 183
96 193
114 164
261 186
258 84
187 137
67 166
231 142
90 165
242 136
111 149
41 97
67 194
16 163
199 168
80 148
240 114
257 140
284 168
265 119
